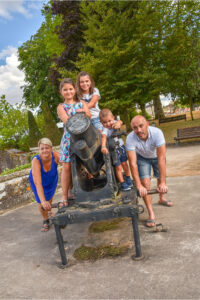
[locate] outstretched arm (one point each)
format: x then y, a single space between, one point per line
134 171
104 149
36 171
161 152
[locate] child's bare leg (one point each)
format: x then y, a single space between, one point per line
127 173
118 171
66 180
125 168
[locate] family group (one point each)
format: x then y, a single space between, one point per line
145 150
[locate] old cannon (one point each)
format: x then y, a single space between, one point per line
97 198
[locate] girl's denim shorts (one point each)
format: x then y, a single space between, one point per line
96 123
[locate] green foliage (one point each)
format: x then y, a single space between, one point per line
39 118
182 51
19 168
34 133
70 34
23 143
51 129
36 57
122 51
135 51
13 126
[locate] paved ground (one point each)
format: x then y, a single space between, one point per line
170 269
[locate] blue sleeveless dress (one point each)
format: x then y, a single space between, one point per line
49 180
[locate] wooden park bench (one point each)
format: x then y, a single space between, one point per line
172 119
187 133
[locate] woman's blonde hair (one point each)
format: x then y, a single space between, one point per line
45 141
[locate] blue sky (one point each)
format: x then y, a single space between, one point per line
19 20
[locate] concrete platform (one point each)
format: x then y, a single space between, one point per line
170 269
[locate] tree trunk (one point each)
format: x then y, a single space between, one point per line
158 109
191 108
127 120
142 107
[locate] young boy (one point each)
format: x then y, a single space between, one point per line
109 125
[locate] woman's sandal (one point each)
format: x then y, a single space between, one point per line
45 226
62 204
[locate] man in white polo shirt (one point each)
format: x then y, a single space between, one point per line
146 149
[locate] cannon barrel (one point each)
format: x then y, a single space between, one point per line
85 142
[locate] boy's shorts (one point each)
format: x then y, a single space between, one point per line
96 123
144 166
121 156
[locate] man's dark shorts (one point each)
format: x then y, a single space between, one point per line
145 165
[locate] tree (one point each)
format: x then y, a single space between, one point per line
36 57
34 133
70 35
183 52
123 53
106 53
52 131
13 126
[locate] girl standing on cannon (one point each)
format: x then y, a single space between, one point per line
72 104
89 94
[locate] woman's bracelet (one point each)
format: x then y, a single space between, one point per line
103 147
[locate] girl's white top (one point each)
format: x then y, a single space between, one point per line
94 110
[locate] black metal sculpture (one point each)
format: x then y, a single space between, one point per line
97 198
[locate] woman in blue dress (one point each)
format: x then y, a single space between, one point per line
43 178
70 107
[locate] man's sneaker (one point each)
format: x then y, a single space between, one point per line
128 180
125 187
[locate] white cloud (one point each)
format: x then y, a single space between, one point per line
7 7
7 52
11 78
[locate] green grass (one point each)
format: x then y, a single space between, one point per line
19 168
91 253
170 129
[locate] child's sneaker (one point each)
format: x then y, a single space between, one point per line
125 187
128 180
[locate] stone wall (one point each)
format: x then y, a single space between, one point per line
12 158
9 159
15 189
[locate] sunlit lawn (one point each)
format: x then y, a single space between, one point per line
170 129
